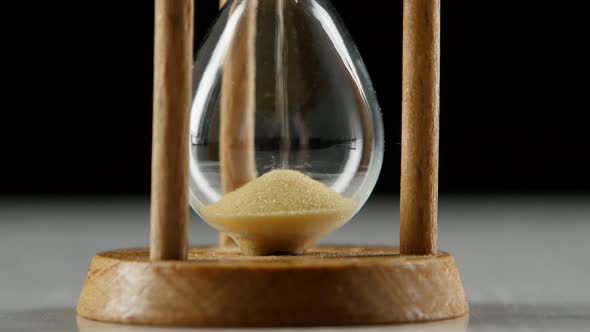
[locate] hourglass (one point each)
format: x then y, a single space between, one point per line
283 145
286 132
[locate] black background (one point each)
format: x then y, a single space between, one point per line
514 94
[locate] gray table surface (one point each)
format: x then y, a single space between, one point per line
524 261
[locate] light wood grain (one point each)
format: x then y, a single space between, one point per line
420 127
238 101
173 57
334 285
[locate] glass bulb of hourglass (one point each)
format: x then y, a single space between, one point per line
286 132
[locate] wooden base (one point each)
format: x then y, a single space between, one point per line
329 285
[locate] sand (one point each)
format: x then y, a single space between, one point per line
283 211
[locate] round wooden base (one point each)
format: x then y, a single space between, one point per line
328 285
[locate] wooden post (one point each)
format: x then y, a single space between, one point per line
420 127
238 97
173 61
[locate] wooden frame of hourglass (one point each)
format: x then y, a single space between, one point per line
170 284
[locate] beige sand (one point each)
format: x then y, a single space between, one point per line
281 211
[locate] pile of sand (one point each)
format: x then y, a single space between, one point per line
281 211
